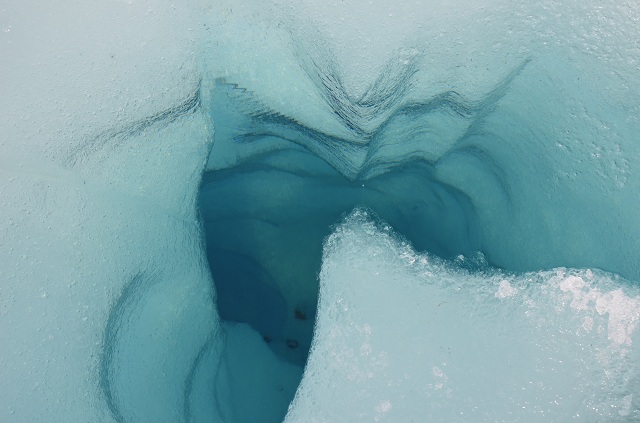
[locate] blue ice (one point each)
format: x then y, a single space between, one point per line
312 211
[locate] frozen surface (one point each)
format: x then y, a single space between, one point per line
511 125
403 336
105 298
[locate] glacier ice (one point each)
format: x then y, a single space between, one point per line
146 146
411 336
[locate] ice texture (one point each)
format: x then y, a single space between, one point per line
402 335
106 302
510 126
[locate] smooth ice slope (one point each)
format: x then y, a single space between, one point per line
106 301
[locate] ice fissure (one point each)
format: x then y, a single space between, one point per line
319 211
439 171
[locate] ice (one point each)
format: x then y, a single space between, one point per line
105 297
402 335
137 137
262 384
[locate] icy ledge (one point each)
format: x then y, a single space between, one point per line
402 335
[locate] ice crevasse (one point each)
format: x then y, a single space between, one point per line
319 211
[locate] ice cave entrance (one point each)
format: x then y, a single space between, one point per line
267 203
449 172
266 218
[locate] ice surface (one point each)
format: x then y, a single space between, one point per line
515 124
403 336
105 297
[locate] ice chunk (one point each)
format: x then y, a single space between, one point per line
404 336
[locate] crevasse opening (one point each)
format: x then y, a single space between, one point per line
439 171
